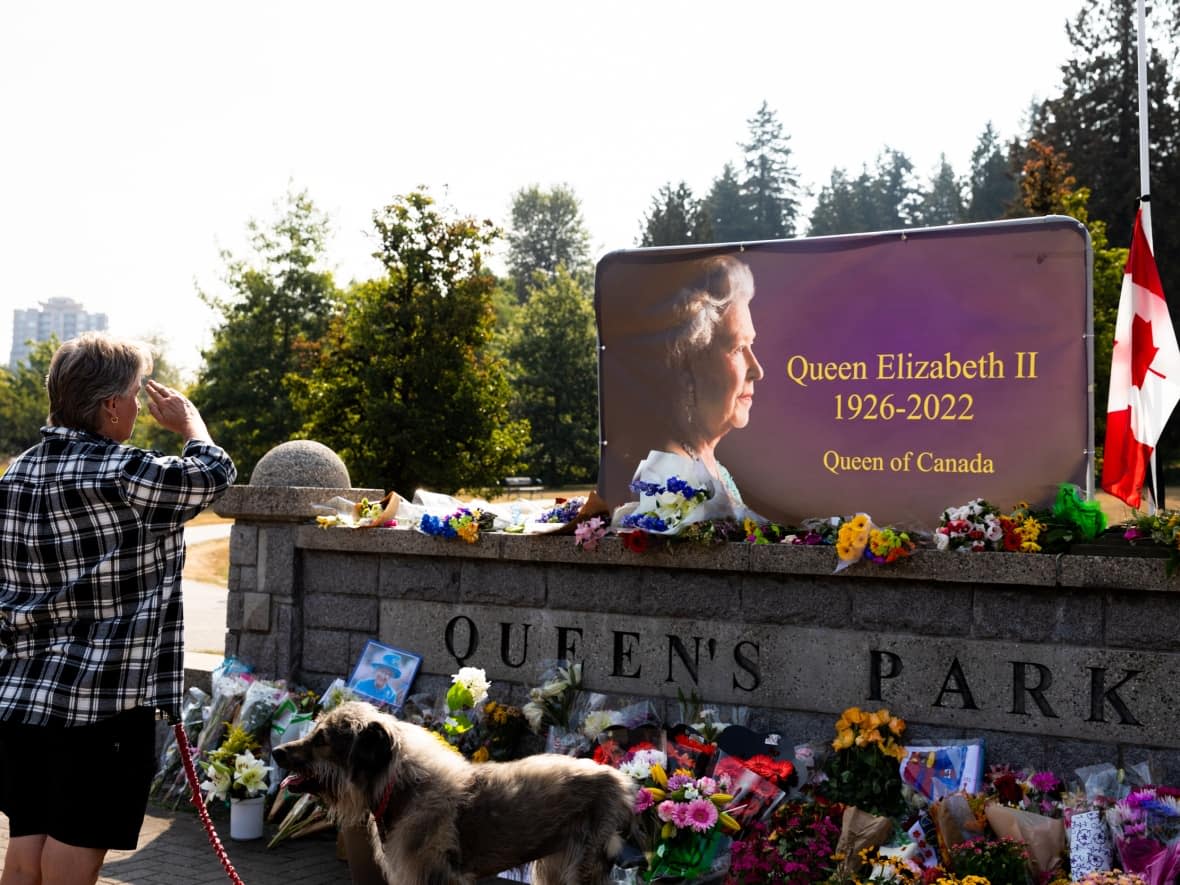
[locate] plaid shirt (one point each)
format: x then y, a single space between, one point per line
91 551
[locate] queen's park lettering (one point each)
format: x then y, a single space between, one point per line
679 656
908 366
1017 688
836 463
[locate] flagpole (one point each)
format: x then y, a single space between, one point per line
1145 197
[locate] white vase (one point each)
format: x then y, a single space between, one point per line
245 818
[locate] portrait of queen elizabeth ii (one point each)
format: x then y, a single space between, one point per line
698 376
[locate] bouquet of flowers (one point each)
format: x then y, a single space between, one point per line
863 770
563 510
1109 877
1038 791
468 688
999 861
464 523
1146 830
674 492
858 538
232 770
552 703
589 533
972 528
795 845
364 513
682 816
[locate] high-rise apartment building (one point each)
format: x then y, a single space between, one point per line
63 317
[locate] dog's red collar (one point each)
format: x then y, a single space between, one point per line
382 807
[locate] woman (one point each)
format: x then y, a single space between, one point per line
711 356
91 551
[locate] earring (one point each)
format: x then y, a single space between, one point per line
114 419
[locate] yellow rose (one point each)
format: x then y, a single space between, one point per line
897 725
843 741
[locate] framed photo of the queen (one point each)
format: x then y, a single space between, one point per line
383 675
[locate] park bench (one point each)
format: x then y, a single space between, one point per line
523 484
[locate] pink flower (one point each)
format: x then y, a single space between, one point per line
643 801
1044 782
707 786
587 534
701 815
682 814
666 810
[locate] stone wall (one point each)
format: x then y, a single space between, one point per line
1055 661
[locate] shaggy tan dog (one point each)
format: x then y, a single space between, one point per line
437 818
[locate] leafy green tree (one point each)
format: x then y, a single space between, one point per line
992 187
547 232
674 217
724 208
24 403
270 330
406 388
554 352
942 203
770 185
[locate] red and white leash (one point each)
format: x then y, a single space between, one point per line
190 771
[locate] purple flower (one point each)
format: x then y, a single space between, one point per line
1044 782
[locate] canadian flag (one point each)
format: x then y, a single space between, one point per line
1144 372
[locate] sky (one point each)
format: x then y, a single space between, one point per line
138 139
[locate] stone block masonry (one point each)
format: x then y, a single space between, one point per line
1055 661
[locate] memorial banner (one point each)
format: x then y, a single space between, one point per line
890 373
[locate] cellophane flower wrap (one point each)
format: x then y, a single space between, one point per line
674 492
1146 830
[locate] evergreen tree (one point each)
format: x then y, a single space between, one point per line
407 389
992 188
1095 123
770 185
555 359
838 209
724 208
943 202
270 329
547 232
674 218
894 194
885 199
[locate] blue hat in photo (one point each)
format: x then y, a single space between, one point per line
389 662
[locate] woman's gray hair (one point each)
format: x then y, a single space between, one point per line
720 282
89 369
